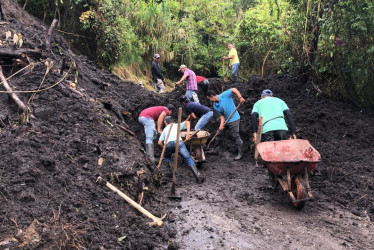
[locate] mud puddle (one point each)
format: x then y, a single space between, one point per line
236 208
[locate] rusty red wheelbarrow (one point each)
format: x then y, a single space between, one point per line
294 159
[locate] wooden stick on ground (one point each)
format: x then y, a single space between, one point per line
218 131
156 221
126 130
164 147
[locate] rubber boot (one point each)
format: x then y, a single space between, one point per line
150 150
168 169
199 178
240 152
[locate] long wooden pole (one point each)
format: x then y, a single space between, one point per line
156 221
258 138
176 151
218 131
164 147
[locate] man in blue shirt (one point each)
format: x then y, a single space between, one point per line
171 144
196 110
225 106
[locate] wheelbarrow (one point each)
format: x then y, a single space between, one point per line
196 145
294 160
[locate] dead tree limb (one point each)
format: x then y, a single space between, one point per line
15 98
126 130
49 34
20 53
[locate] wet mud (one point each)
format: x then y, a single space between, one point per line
48 169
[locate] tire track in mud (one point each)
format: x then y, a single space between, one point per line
236 208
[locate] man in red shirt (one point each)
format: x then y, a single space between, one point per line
147 118
203 83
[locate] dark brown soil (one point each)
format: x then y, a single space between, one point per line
49 167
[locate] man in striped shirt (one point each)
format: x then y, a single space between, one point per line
191 84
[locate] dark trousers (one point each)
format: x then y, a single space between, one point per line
275 135
233 127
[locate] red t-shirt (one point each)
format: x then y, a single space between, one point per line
154 112
200 78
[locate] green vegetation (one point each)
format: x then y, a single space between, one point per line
329 41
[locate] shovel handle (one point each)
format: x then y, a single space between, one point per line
156 221
164 147
214 137
193 133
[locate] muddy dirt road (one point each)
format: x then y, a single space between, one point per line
236 208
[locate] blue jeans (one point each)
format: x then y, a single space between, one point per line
170 149
204 120
192 96
149 128
234 69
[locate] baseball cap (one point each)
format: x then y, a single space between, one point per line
156 56
182 67
267 92
170 106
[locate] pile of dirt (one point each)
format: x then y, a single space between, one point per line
49 166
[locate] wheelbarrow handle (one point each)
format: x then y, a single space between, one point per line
193 133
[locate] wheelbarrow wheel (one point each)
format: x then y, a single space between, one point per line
299 191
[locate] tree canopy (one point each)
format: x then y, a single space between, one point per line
331 42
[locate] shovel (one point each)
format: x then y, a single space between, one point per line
218 131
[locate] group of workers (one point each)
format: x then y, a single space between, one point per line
274 113
190 77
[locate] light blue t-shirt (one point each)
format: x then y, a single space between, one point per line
173 132
225 106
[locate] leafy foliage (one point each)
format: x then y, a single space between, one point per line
329 41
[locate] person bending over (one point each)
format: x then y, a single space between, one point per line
171 144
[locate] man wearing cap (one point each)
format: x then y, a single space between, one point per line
234 60
225 106
171 144
274 112
203 83
191 84
157 77
147 118
196 110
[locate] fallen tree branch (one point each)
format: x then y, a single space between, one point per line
38 90
20 53
15 98
49 35
126 130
